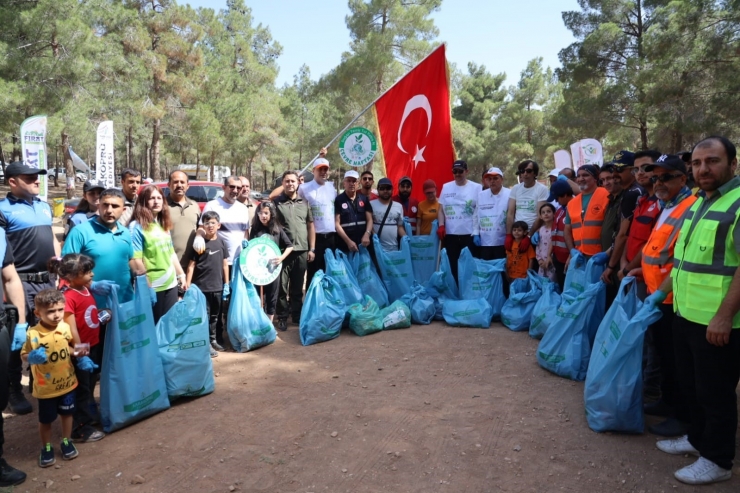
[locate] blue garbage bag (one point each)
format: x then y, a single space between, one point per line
575 276
438 303
523 295
323 310
543 313
396 316
566 348
420 303
364 318
132 381
441 284
395 268
482 279
340 270
467 313
184 346
424 254
367 277
613 390
247 325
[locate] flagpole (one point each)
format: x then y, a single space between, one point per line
370 106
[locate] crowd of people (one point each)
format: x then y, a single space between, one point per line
668 220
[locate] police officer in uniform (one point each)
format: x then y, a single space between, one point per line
27 224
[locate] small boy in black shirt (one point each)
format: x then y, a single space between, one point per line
210 271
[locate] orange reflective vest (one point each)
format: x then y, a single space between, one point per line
657 254
586 225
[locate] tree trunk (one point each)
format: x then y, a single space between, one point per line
16 155
145 162
130 148
155 150
644 134
68 163
213 163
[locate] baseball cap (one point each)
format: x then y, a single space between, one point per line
429 185
352 174
91 185
20 168
385 181
494 171
558 189
623 159
459 164
320 162
552 173
405 178
668 161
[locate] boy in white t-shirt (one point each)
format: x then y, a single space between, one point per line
456 216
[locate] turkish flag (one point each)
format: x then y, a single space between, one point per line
414 125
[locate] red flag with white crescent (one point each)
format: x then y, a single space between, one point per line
414 125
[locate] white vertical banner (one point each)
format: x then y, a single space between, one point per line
587 151
33 147
562 159
104 163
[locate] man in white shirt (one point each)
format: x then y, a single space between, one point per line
391 221
320 195
234 217
489 226
525 199
459 201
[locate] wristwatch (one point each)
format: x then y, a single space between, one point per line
313 250
625 271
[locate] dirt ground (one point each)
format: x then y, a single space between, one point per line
425 409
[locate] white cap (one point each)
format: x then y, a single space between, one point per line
494 171
554 173
352 174
320 162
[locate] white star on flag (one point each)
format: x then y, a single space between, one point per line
419 157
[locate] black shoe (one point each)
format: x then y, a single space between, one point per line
659 408
86 434
218 347
671 427
46 458
282 325
69 451
10 476
18 403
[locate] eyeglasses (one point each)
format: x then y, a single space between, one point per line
457 171
663 178
525 171
385 189
367 178
211 224
234 187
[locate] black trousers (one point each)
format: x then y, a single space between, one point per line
491 252
290 292
85 391
559 272
223 311
707 377
323 242
4 387
270 293
662 338
165 300
454 245
213 307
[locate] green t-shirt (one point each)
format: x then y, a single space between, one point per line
585 199
154 246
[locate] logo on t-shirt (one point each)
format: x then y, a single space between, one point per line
413 209
344 205
362 204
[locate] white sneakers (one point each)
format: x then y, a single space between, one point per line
677 446
703 471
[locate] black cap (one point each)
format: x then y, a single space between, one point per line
670 162
20 168
405 178
558 189
385 181
91 185
459 164
623 159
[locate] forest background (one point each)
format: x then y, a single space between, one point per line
185 85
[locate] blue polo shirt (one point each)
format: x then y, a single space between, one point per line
111 251
28 229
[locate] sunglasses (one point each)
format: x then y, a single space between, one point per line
663 178
385 189
367 178
234 187
458 171
525 171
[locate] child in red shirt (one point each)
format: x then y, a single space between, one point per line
81 314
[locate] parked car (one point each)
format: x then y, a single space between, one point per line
62 174
200 191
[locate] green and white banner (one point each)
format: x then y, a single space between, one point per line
358 146
33 147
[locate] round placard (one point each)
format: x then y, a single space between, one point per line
254 261
358 146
